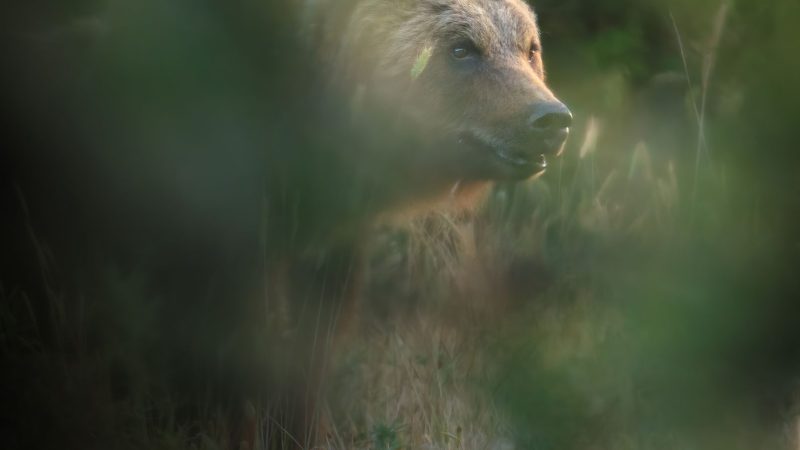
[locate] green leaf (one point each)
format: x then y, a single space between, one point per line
421 62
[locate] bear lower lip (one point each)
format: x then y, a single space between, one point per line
520 162
538 162
512 158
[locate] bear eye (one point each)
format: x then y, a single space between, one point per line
460 53
534 49
463 50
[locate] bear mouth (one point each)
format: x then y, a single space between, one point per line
514 163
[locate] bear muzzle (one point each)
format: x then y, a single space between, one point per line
548 128
524 152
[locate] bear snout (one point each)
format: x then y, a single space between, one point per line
548 127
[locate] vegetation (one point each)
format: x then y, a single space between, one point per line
642 294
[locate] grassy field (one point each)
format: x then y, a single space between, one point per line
567 320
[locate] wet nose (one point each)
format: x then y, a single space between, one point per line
550 117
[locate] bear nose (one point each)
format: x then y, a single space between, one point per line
550 117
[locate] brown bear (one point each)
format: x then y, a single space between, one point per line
439 99
464 77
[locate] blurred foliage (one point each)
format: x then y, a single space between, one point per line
652 270
672 321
